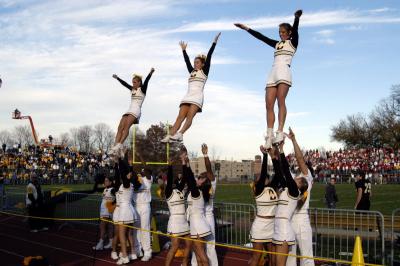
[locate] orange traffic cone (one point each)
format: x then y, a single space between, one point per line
358 255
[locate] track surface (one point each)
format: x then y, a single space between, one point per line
73 246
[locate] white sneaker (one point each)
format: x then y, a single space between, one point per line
268 143
132 256
99 246
166 139
178 137
109 245
279 137
121 151
114 255
139 253
34 231
123 260
146 258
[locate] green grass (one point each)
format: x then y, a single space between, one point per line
385 198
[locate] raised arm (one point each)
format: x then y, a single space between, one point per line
256 34
125 84
260 183
124 171
146 81
186 57
206 68
298 154
170 179
188 174
278 180
290 183
210 174
295 28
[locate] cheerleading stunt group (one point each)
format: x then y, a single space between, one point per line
281 223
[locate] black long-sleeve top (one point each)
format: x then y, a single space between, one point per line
170 180
288 181
272 42
189 176
207 64
275 182
143 87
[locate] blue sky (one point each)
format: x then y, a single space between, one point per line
57 58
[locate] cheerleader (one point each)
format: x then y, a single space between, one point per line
192 102
132 116
209 209
199 195
177 223
124 213
266 197
293 190
108 198
301 220
280 77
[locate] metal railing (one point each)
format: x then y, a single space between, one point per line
395 238
334 232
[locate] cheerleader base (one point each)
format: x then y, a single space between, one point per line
283 232
178 225
262 230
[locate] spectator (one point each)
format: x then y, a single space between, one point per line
34 203
363 192
331 197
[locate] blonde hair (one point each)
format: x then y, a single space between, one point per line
202 57
137 76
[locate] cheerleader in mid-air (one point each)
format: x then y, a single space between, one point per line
192 103
280 77
265 192
294 190
199 195
132 116
177 223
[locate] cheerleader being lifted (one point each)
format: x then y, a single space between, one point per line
280 76
192 103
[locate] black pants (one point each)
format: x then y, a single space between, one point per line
34 224
364 206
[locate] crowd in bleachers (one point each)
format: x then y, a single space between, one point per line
51 165
380 165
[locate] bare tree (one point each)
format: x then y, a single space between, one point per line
6 138
85 138
23 135
64 139
74 137
103 136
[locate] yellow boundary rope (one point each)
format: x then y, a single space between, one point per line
188 238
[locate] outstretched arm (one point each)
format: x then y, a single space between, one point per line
298 153
260 183
295 28
146 81
125 84
186 57
210 174
206 68
290 183
256 34
278 180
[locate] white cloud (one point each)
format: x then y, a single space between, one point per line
312 19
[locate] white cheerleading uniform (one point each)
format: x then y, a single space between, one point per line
262 229
280 72
177 223
302 228
199 227
283 231
195 94
137 99
124 212
142 199
209 210
107 197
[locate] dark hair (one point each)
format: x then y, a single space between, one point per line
205 189
201 58
287 27
303 192
310 168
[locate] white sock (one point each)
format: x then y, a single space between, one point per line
270 131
